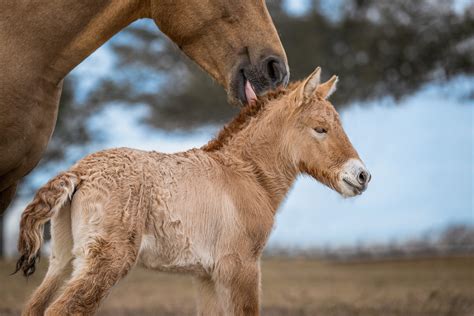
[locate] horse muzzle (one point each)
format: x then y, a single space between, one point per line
251 81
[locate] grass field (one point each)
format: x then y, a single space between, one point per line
441 286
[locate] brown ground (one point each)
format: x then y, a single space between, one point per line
294 287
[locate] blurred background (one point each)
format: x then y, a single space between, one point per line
406 98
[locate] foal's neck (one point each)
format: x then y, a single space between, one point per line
260 147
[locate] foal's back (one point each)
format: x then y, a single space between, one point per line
118 181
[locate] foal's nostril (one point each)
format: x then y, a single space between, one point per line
275 71
363 177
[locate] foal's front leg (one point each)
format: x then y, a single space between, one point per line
238 286
207 300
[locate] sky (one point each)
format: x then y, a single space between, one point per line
419 150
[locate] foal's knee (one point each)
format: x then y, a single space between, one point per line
227 268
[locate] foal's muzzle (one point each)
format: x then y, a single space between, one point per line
354 178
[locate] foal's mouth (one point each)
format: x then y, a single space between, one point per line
357 189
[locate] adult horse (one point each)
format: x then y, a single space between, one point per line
235 41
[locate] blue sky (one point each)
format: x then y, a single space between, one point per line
297 7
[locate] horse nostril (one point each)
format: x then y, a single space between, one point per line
363 177
275 71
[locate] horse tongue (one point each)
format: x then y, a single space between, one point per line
249 92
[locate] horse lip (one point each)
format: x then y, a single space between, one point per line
237 88
243 75
358 189
249 90
241 82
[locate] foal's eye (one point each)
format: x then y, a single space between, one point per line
320 130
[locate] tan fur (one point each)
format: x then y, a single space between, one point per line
206 212
42 41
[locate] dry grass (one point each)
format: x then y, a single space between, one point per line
294 287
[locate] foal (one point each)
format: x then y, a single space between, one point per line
207 212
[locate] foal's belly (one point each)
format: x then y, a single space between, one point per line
176 255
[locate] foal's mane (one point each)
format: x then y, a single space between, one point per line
247 112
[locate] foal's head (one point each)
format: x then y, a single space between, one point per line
316 140
233 40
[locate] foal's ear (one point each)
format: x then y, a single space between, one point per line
311 83
328 88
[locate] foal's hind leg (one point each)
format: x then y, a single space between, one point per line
101 266
47 290
59 263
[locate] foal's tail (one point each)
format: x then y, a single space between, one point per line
48 200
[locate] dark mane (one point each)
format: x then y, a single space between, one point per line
243 118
